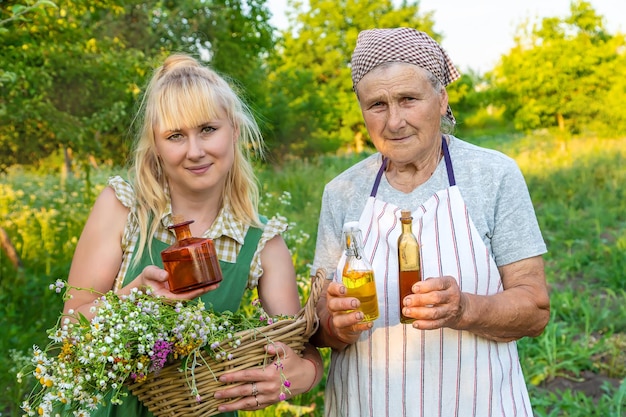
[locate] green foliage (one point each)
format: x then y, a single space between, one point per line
563 73
71 75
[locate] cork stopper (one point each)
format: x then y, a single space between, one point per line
405 214
178 220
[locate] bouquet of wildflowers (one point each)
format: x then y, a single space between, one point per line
129 338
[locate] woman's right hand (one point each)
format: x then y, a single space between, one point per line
344 321
156 278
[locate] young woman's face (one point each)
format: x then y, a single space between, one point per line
197 159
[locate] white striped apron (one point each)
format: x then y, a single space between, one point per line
395 370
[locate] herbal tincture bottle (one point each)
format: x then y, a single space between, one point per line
408 260
191 261
358 274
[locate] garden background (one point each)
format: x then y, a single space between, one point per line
71 73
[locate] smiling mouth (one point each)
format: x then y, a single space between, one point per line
199 168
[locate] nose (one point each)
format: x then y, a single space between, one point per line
195 150
395 118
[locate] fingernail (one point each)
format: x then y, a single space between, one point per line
342 290
218 395
354 303
360 316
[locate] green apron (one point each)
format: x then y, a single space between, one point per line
227 297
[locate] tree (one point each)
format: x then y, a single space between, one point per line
314 107
561 73
75 72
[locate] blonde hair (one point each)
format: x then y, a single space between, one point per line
182 92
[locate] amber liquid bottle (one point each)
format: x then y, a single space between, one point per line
191 261
358 274
408 260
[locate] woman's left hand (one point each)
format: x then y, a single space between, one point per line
261 387
435 303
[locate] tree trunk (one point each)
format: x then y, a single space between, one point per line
7 246
358 142
66 169
561 122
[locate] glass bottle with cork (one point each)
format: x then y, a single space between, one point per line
191 261
408 260
358 274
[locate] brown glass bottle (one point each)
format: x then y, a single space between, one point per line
408 260
191 261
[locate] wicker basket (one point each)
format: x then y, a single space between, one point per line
169 394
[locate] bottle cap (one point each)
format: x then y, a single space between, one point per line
351 226
405 214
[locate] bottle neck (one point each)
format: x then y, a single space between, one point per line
406 227
182 230
353 244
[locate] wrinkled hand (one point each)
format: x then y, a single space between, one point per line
345 325
156 278
260 387
435 303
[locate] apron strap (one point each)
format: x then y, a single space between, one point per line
446 157
383 166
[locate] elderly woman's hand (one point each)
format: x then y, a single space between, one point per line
435 303
344 321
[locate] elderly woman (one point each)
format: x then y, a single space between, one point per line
483 284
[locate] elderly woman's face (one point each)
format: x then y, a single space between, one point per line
402 111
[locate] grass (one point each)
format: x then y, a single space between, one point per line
576 185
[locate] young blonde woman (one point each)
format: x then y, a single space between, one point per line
191 160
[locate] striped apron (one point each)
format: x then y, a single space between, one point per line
395 370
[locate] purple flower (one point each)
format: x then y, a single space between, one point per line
161 350
287 383
282 396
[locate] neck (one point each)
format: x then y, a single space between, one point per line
408 177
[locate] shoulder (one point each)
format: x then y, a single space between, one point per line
482 157
124 192
475 166
271 228
354 181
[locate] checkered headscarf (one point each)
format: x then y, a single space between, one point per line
378 46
